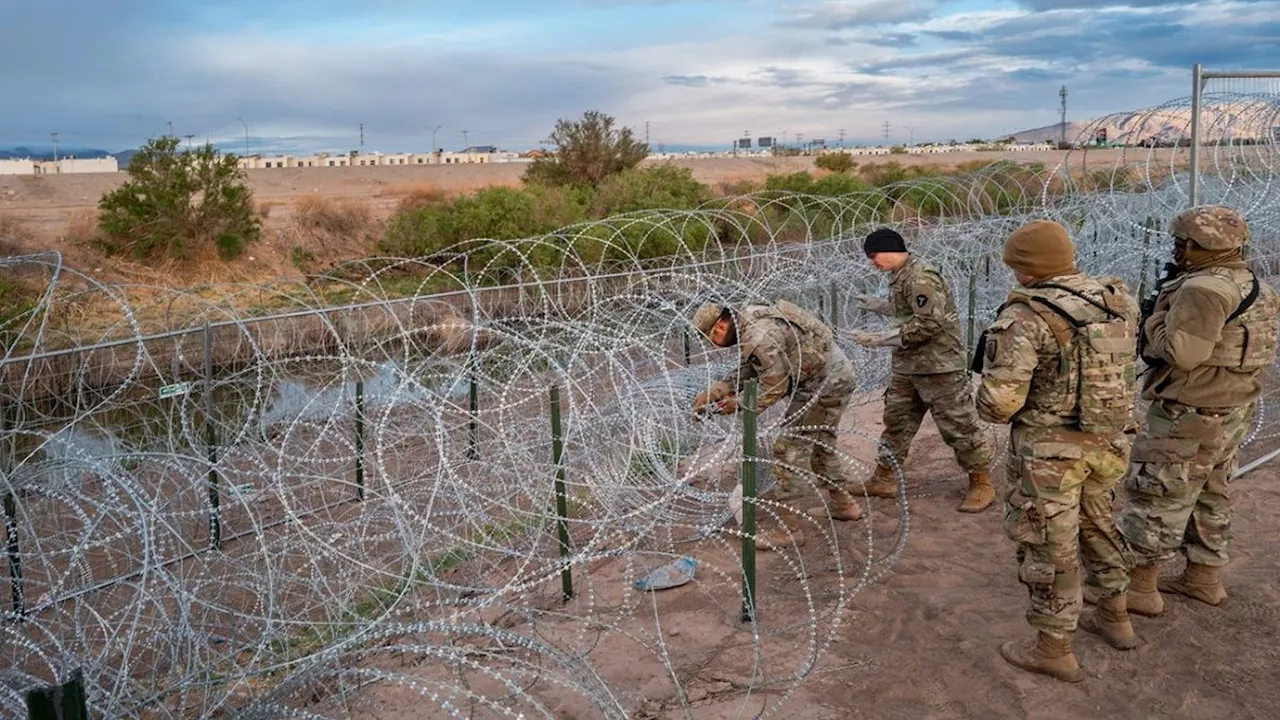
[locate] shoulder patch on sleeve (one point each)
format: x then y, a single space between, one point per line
922 300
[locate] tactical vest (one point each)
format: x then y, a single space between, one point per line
1248 341
1097 350
814 337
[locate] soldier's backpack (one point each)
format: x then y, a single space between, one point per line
1098 337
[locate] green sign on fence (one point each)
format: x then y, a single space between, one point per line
181 388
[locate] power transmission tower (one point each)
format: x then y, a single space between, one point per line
646 133
1062 136
361 138
188 137
170 124
842 137
886 132
465 141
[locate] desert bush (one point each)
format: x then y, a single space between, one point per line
587 151
337 217
840 162
177 202
658 187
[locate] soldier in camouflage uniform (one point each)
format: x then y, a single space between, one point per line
1210 334
1059 365
929 373
794 355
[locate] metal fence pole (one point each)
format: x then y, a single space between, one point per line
1197 84
211 443
59 702
749 469
11 519
835 307
973 309
359 440
686 347
473 399
562 500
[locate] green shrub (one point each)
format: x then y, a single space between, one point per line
177 202
657 187
840 162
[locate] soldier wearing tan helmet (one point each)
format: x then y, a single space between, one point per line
793 355
1058 365
1210 335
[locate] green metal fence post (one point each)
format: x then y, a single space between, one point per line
11 521
59 702
562 499
749 469
835 307
359 440
473 400
973 309
211 443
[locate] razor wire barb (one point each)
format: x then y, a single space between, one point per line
439 576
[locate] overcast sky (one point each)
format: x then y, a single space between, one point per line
305 75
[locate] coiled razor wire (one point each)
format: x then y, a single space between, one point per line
379 445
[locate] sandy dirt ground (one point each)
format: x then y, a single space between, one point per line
920 642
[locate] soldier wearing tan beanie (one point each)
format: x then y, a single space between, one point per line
1039 250
1067 405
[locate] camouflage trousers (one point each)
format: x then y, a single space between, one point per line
807 439
1179 485
949 396
1057 511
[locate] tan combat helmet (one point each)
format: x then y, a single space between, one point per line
1212 227
706 316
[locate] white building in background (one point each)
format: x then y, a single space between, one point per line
17 167
61 166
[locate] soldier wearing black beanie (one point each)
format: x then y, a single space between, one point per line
884 240
929 372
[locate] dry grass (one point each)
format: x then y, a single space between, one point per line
349 218
14 236
82 227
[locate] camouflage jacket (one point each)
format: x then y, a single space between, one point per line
786 347
1202 359
925 313
1027 378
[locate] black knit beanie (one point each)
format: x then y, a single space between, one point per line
884 240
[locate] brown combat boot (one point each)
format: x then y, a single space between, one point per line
980 494
840 506
882 484
1111 621
1046 655
1198 582
777 537
1144 597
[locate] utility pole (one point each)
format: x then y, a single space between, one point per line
1062 134
911 135
188 137
246 137
886 133
361 138
57 167
170 123
842 137
646 133
466 142
434 130
800 142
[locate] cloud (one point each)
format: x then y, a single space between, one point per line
843 14
121 73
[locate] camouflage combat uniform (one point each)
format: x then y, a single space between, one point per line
793 354
929 371
1203 384
1061 477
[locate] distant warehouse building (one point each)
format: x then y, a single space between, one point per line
61 166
